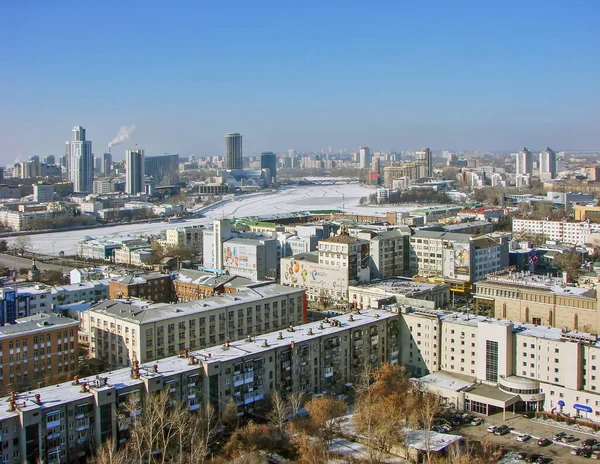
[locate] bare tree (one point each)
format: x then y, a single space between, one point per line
279 412
22 245
310 451
109 454
428 408
295 401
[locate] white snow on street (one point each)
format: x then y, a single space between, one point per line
298 198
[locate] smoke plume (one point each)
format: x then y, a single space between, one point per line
123 135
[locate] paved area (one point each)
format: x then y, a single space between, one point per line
16 262
560 453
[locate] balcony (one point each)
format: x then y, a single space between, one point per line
238 380
249 378
53 424
194 407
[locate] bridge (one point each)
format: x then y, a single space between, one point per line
328 180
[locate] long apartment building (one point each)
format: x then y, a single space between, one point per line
62 423
121 333
537 299
488 365
566 231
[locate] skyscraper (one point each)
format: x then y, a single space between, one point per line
233 151
364 157
49 159
134 167
268 160
164 169
423 157
80 161
524 163
547 164
106 164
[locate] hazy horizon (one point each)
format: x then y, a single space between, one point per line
391 76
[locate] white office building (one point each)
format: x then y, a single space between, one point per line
80 161
134 166
547 164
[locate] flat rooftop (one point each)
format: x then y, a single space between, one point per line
446 380
399 286
67 392
159 312
537 282
37 323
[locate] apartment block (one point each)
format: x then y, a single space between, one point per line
121 333
194 285
187 236
566 231
61 423
37 348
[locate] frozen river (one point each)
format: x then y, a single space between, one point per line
298 198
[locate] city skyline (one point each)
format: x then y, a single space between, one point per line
480 77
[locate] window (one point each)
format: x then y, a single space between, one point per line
491 361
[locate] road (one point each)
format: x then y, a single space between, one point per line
16 262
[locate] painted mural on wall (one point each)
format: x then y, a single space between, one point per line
462 259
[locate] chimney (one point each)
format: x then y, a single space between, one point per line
38 398
155 368
75 380
565 277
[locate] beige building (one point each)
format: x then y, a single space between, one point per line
187 236
541 300
121 333
62 422
402 291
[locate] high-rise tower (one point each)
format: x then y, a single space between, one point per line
106 164
547 164
268 160
364 157
233 151
423 157
524 163
134 166
80 161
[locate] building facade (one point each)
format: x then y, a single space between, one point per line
134 167
122 333
153 286
563 231
163 169
62 424
80 161
233 151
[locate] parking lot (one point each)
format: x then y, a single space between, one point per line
560 453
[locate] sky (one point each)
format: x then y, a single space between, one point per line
392 75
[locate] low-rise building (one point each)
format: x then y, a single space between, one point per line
378 293
194 285
153 286
538 299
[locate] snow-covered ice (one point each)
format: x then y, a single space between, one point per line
286 200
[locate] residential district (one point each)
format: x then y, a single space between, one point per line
486 299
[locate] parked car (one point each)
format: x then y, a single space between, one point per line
477 421
522 455
467 418
502 430
543 460
523 437
492 428
544 442
534 457
590 442
569 439
559 436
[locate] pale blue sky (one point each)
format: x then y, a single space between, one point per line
307 75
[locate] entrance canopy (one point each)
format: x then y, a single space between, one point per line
493 396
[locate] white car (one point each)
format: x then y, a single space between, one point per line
492 428
477 421
523 437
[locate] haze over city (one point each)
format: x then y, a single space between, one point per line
393 76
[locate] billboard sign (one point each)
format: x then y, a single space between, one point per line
462 259
314 277
239 256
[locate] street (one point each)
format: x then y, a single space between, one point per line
17 262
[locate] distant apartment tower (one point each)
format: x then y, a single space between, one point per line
423 157
80 161
134 166
268 160
547 164
524 163
233 151
49 159
43 193
106 164
164 169
364 157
